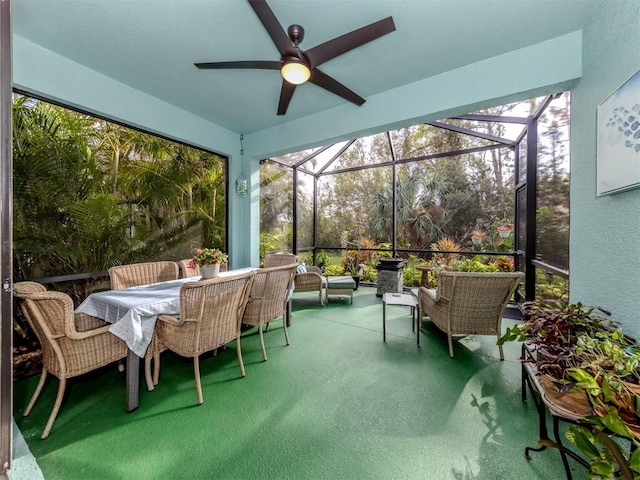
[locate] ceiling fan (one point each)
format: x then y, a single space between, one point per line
297 66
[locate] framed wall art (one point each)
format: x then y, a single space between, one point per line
618 141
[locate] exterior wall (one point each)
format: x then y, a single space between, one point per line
605 231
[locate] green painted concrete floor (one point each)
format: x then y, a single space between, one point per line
338 403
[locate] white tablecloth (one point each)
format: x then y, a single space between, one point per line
133 311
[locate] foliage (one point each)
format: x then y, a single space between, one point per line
588 355
322 259
206 257
269 242
504 264
474 265
384 250
105 194
333 270
370 274
553 328
411 277
445 261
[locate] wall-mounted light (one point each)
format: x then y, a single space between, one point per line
295 71
242 184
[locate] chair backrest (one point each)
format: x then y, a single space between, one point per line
212 310
478 295
134 274
22 288
269 294
48 313
186 271
277 259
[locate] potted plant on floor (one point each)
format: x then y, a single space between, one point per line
353 265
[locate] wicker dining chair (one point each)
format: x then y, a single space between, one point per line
210 315
277 259
133 275
187 272
469 303
72 343
268 299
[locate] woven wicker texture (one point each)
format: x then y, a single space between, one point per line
278 259
469 303
132 275
268 299
21 288
72 344
210 315
312 281
188 272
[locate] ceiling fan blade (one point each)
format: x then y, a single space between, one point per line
342 44
260 64
274 29
285 96
325 81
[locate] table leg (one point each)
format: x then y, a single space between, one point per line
384 321
133 380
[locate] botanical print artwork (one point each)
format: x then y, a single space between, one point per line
619 139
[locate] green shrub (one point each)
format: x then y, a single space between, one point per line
333 270
473 265
411 277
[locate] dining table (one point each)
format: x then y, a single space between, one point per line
132 313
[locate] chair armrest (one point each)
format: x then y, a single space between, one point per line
171 320
92 327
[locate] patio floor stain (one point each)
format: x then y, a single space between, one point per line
338 403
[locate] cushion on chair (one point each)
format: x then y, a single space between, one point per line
341 282
302 268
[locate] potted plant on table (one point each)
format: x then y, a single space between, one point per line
587 363
209 261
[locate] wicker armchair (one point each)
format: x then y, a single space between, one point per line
268 299
187 272
132 275
21 288
72 344
310 281
469 303
210 314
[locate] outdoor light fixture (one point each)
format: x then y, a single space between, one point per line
242 184
295 71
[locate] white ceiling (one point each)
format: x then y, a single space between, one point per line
151 45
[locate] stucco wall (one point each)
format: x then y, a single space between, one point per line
605 231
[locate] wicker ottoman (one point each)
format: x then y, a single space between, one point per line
340 286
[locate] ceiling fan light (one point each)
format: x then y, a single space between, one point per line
295 71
